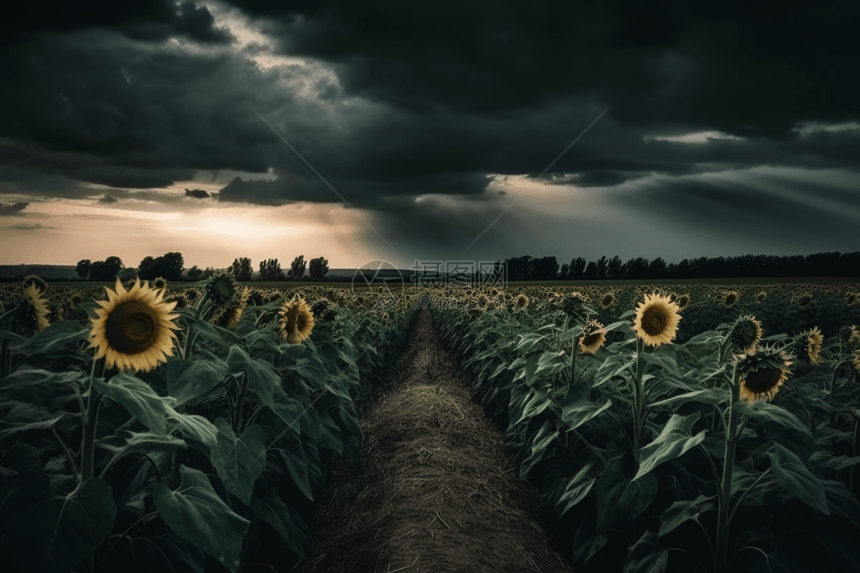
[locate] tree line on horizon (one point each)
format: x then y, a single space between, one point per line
833 264
171 267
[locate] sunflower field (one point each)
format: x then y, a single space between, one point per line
677 427
146 428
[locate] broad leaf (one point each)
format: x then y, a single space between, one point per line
791 472
138 398
620 499
767 412
673 442
190 379
239 461
682 511
197 514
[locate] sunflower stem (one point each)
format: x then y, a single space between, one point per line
638 402
90 420
731 439
68 455
243 386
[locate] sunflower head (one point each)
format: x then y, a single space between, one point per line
573 305
593 337
848 334
32 314
134 329
483 303
851 298
761 374
159 283
807 345
745 333
729 299
323 310
683 301
656 320
608 300
761 296
296 321
76 298
230 315
521 302
36 280
804 300
221 288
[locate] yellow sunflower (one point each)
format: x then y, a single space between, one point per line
593 337
761 296
762 374
34 311
522 302
808 345
296 322
656 320
730 299
134 328
608 300
683 301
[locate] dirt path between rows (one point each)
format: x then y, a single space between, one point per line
438 492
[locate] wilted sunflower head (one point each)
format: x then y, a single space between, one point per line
36 280
323 310
573 305
521 302
608 300
134 328
656 320
745 333
221 288
761 374
230 315
593 337
159 283
296 322
32 314
807 345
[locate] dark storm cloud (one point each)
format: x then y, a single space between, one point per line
196 193
439 96
154 20
12 209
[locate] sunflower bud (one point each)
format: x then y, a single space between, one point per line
745 334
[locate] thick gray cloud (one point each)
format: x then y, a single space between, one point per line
196 193
12 209
397 101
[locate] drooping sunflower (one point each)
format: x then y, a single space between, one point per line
296 321
33 311
221 288
36 280
807 345
656 320
573 305
134 329
762 374
323 310
746 333
593 337
229 316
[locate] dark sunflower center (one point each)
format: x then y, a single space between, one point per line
654 321
301 321
731 299
762 381
684 300
607 299
590 339
132 327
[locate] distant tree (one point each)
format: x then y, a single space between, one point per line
207 273
613 268
194 273
270 270
565 268
242 269
105 270
577 267
318 268
168 266
83 268
544 269
590 271
601 268
297 267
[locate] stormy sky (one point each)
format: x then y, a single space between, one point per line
443 131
